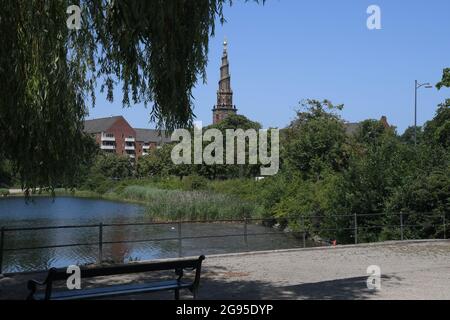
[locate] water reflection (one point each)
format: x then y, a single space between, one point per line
74 211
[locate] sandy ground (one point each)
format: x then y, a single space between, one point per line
410 270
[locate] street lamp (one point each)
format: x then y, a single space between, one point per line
416 87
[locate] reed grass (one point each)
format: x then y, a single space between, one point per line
190 205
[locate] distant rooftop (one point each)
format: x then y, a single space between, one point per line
145 135
352 127
99 125
152 135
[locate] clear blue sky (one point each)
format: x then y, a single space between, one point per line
289 50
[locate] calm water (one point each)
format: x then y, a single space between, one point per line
15 212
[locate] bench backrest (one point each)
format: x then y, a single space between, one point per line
178 266
91 272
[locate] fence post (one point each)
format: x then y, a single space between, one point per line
445 226
2 243
246 232
401 226
356 228
304 232
180 241
100 243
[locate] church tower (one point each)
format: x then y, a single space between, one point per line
224 106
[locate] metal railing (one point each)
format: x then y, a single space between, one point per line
302 230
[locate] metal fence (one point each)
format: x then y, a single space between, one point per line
304 228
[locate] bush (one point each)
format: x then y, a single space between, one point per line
191 183
4 192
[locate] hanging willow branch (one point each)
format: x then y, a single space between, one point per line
156 49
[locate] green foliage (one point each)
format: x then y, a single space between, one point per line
189 205
408 135
226 171
235 121
157 50
316 142
445 82
159 163
383 174
192 183
43 91
113 166
429 194
327 176
370 132
424 200
106 169
8 178
437 131
4 192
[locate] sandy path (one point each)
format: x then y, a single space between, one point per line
410 270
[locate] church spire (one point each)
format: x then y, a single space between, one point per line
224 106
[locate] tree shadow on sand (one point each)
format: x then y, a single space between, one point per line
219 283
355 288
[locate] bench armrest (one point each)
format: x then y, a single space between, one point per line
32 286
198 271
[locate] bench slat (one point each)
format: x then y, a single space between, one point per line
91 272
178 266
117 290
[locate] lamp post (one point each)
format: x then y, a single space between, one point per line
416 87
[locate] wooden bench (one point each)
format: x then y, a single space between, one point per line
177 284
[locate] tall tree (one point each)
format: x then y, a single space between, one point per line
445 82
316 141
155 49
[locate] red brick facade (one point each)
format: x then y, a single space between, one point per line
115 135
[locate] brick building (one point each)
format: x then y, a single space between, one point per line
115 135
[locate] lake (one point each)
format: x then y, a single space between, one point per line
63 211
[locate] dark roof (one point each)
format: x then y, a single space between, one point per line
352 128
100 125
152 135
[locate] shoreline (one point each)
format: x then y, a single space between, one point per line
74 194
111 197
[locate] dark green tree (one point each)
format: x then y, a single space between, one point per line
112 166
316 142
437 131
225 171
156 50
445 82
408 135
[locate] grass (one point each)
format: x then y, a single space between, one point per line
190 205
172 199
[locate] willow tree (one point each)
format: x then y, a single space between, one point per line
155 49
